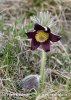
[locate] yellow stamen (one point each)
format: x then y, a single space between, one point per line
41 36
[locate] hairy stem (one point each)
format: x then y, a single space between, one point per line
43 62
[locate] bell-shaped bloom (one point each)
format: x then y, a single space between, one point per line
42 36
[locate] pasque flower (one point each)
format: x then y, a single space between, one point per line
42 36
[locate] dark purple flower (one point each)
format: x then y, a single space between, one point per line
42 36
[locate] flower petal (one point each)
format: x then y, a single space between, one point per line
46 46
38 27
31 34
34 44
48 30
54 38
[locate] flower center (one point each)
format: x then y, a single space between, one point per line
41 36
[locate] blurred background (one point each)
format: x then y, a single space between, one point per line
10 10
18 61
